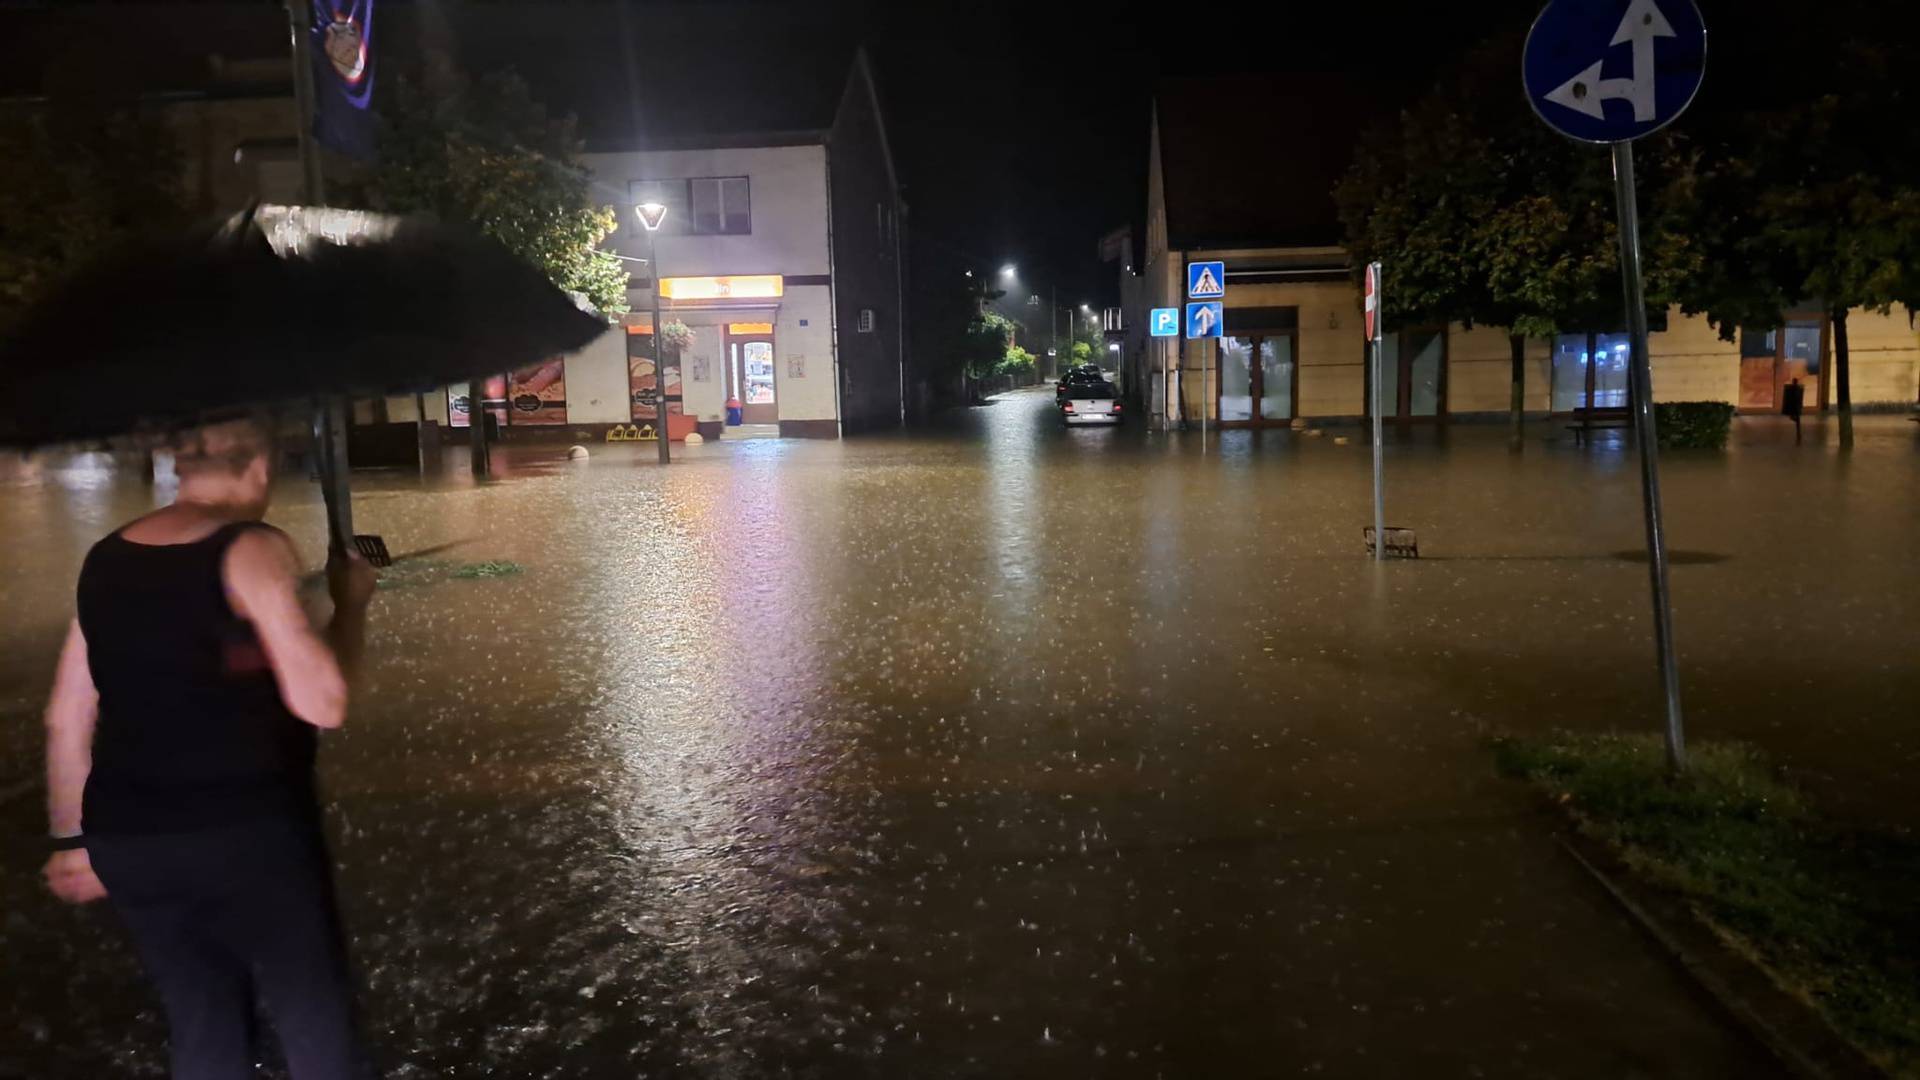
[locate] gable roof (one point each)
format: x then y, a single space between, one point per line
1252 160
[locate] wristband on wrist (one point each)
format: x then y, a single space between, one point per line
68 843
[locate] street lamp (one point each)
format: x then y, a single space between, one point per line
652 214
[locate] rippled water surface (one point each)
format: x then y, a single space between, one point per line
1011 751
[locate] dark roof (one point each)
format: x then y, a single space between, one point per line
732 71
1252 160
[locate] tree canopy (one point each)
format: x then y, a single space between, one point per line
1483 215
76 179
485 152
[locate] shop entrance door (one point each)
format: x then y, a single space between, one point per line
1258 379
1801 350
1772 360
750 377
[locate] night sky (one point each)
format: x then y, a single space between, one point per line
1051 105
1020 129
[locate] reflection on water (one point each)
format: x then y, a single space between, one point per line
1010 750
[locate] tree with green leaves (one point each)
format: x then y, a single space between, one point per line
1484 216
984 346
77 178
1810 192
1017 364
486 153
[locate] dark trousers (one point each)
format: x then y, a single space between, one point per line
220 916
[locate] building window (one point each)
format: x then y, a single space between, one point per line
1590 371
702 206
722 206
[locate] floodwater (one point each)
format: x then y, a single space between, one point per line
1004 750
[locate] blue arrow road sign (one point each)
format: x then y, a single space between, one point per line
1206 280
1165 322
1609 71
1204 320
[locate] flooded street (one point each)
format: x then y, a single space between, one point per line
1004 750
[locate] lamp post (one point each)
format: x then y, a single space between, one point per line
651 215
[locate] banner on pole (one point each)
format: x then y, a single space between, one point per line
342 51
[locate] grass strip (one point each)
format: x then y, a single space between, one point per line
1831 911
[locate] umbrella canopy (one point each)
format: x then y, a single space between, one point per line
278 303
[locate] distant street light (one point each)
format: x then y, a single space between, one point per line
652 214
1009 270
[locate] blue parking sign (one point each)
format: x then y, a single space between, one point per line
1206 280
1205 320
1165 322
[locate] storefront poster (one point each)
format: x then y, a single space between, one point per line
459 411
641 381
538 395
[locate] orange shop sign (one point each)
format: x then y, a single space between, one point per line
736 287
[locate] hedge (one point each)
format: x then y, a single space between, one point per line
1695 425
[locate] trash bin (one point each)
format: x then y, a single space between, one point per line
733 412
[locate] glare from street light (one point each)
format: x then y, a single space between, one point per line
1009 270
651 214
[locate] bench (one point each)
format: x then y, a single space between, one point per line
1591 420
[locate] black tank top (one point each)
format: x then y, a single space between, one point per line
192 733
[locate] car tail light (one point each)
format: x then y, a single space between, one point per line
1116 406
1069 406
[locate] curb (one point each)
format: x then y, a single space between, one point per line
1790 1029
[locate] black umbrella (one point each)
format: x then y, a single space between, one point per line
215 319
277 303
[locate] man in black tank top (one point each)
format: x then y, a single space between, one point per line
181 738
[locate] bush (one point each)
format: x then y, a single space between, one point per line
1693 425
1017 364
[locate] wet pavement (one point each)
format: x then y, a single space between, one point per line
1005 750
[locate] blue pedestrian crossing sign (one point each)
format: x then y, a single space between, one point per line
1608 71
1206 281
1205 320
1165 322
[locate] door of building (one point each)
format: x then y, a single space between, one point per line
1259 379
751 378
1802 349
1773 359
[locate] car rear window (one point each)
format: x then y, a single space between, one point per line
1093 391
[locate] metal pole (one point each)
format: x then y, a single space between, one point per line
659 353
1054 367
1379 377
1206 387
298 14
331 415
1642 381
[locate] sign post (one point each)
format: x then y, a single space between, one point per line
1374 319
1573 67
1206 318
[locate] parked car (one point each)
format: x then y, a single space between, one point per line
1076 377
1091 403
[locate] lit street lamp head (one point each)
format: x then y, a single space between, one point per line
1009 270
651 214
